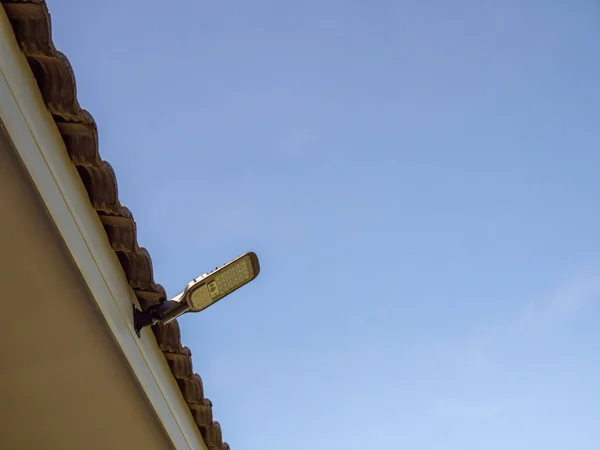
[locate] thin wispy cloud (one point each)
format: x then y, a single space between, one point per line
297 142
474 350
568 300
481 367
473 408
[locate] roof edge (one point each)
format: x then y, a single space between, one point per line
62 157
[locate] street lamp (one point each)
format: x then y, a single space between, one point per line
201 292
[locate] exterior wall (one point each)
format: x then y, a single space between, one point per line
63 382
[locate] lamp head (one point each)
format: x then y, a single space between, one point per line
209 288
201 292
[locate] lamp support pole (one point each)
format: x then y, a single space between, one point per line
163 312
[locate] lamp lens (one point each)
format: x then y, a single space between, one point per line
222 282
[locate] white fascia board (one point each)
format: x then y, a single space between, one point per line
42 150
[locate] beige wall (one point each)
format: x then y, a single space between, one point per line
63 382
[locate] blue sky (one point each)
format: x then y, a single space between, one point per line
420 182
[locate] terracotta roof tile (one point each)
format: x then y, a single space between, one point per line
30 20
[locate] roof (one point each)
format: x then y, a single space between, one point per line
30 20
